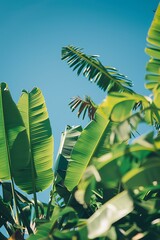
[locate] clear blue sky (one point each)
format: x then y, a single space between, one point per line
32 33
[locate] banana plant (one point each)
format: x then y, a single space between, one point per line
114 178
105 143
38 174
26 140
26 153
114 113
14 153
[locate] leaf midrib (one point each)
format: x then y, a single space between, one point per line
81 55
94 149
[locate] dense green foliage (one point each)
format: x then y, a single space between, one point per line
106 182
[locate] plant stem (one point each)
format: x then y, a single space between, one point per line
15 201
13 188
50 202
34 189
35 204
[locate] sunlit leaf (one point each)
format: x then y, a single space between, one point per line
107 78
153 50
14 147
37 175
101 221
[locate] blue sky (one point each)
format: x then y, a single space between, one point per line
32 33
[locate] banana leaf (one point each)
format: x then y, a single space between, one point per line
153 50
101 221
68 139
111 167
50 229
143 177
14 146
107 78
38 175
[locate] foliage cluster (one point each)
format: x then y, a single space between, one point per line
106 181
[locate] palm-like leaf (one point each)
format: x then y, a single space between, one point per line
153 50
84 105
14 147
107 78
38 175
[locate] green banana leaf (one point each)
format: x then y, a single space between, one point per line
111 167
87 185
38 175
94 140
101 221
67 142
143 177
14 146
50 229
68 139
153 50
107 78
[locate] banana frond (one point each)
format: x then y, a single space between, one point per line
14 145
86 105
153 50
107 78
38 174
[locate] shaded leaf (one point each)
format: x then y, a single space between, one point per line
68 139
142 177
47 230
16 236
